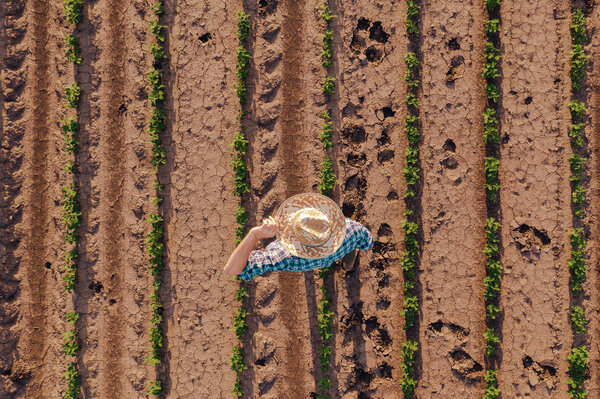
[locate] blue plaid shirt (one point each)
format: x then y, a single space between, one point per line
275 257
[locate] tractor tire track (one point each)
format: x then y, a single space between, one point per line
13 69
107 311
535 199
369 140
41 254
453 201
199 208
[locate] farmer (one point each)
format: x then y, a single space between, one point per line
311 233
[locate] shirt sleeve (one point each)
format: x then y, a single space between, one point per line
364 238
260 262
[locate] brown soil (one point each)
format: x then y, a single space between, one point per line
284 156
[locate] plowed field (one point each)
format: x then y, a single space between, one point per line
282 124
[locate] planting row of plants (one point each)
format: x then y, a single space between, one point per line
71 214
577 359
242 186
412 173
328 180
154 239
491 140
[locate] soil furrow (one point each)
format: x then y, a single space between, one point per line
368 46
591 302
199 209
12 127
453 200
535 198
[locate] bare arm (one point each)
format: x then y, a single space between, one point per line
239 258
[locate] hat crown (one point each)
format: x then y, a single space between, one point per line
311 227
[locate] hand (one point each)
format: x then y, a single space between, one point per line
268 228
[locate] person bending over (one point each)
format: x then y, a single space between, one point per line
311 231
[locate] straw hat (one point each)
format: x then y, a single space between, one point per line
311 225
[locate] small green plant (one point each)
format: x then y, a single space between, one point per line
71 375
577 163
70 129
157 51
492 26
327 50
576 133
577 108
412 15
328 85
577 367
326 13
70 345
410 311
408 381
492 4
577 264
69 276
237 388
578 319
578 62
72 94
153 387
239 322
411 129
237 359
243 29
578 26
72 51
71 213
491 340
490 131
72 317
492 311
491 178
328 177
491 384
156 29
411 100
490 66
72 10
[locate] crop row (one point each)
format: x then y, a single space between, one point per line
71 218
242 186
577 358
491 139
328 180
411 172
155 238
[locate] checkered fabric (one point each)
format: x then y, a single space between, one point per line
275 257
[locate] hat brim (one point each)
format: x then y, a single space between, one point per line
326 205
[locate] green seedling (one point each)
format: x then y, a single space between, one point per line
577 163
411 61
492 4
326 13
578 62
491 384
237 359
72 94
410 311
69 277
492 311
153 388
408 381
72 51
328 85
578 319
70 345
577 367
411 129
490 132
492 92
492 26
490 340
328 177
576 133
71 375
577 108
243 25
237 388
72 317
411 100
412 15
239 322
327 49
156 8
578 26
491 178
157 51
73 11
156 29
